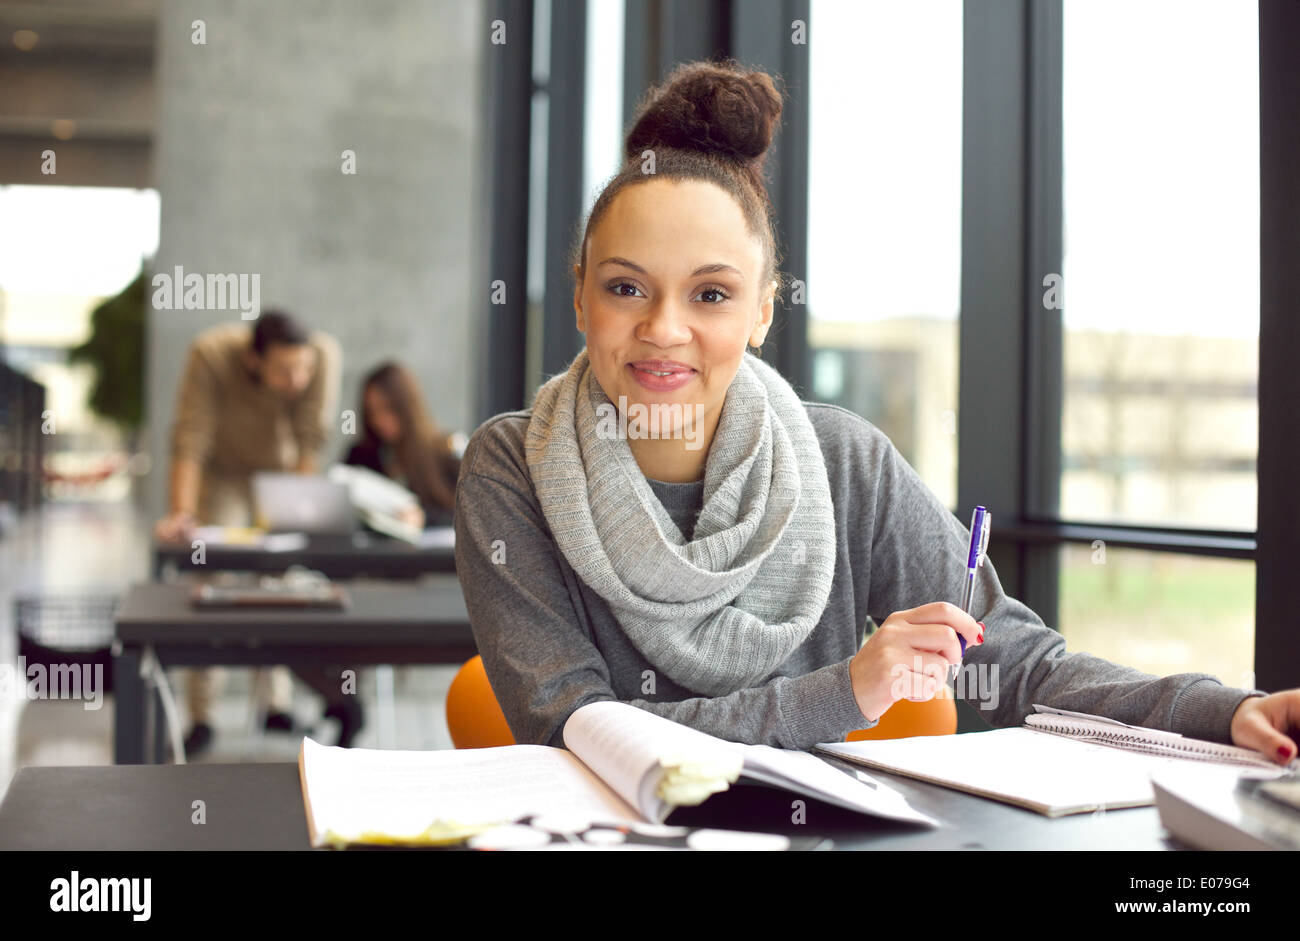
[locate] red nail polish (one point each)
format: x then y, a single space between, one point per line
981 624
1283 751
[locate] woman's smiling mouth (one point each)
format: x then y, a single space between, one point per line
660 375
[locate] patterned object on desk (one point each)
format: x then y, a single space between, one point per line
561 833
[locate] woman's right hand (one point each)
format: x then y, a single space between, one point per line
909 655
412 515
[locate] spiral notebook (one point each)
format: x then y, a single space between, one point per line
1059 762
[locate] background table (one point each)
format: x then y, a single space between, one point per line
386 623
259 807
361 555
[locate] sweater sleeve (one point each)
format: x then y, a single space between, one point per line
918 555
537 645
194 426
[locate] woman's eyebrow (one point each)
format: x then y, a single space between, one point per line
714 268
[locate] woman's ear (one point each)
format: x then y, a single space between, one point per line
577 299
765 311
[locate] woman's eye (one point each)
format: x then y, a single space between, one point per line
615 289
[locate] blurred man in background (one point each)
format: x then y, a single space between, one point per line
258 399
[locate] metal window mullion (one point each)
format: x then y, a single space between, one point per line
990 329
508 85
762 37
1043 341
1276 645
565 149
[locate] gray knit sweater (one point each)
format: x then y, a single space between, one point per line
550 644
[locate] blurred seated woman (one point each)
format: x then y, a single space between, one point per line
401 441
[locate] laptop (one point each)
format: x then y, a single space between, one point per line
302 503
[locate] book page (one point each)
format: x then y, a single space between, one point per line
807 774
391 526
653 763
656 765
373 491
351 792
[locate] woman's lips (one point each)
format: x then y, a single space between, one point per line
668 383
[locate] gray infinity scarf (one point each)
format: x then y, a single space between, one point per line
721 612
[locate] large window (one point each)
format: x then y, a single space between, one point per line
1160 278
1161 262
884 222
1162 612
64 250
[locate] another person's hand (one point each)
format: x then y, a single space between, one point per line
1261 723
412 516
909 655
175 527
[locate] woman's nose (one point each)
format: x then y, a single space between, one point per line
665 325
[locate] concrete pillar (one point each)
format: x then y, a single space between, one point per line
250 132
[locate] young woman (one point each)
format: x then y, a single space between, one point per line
722 573
401 441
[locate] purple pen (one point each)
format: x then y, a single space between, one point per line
980 522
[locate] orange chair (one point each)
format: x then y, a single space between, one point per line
937 716
474 717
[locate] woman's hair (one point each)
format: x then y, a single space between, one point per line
422 450
710 121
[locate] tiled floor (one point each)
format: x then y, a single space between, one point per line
104 547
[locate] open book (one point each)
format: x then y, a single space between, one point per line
381 503
620 765
1059 762
378 501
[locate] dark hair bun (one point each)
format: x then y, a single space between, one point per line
717 108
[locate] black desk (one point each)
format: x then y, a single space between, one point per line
259 806
361 555
419 622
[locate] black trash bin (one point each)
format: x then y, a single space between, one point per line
62 629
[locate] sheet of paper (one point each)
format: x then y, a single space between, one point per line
251 537
438 537
1051 773
357 790
284 542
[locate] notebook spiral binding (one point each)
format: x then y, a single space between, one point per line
1177 747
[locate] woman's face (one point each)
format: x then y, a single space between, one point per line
381 416
672 276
